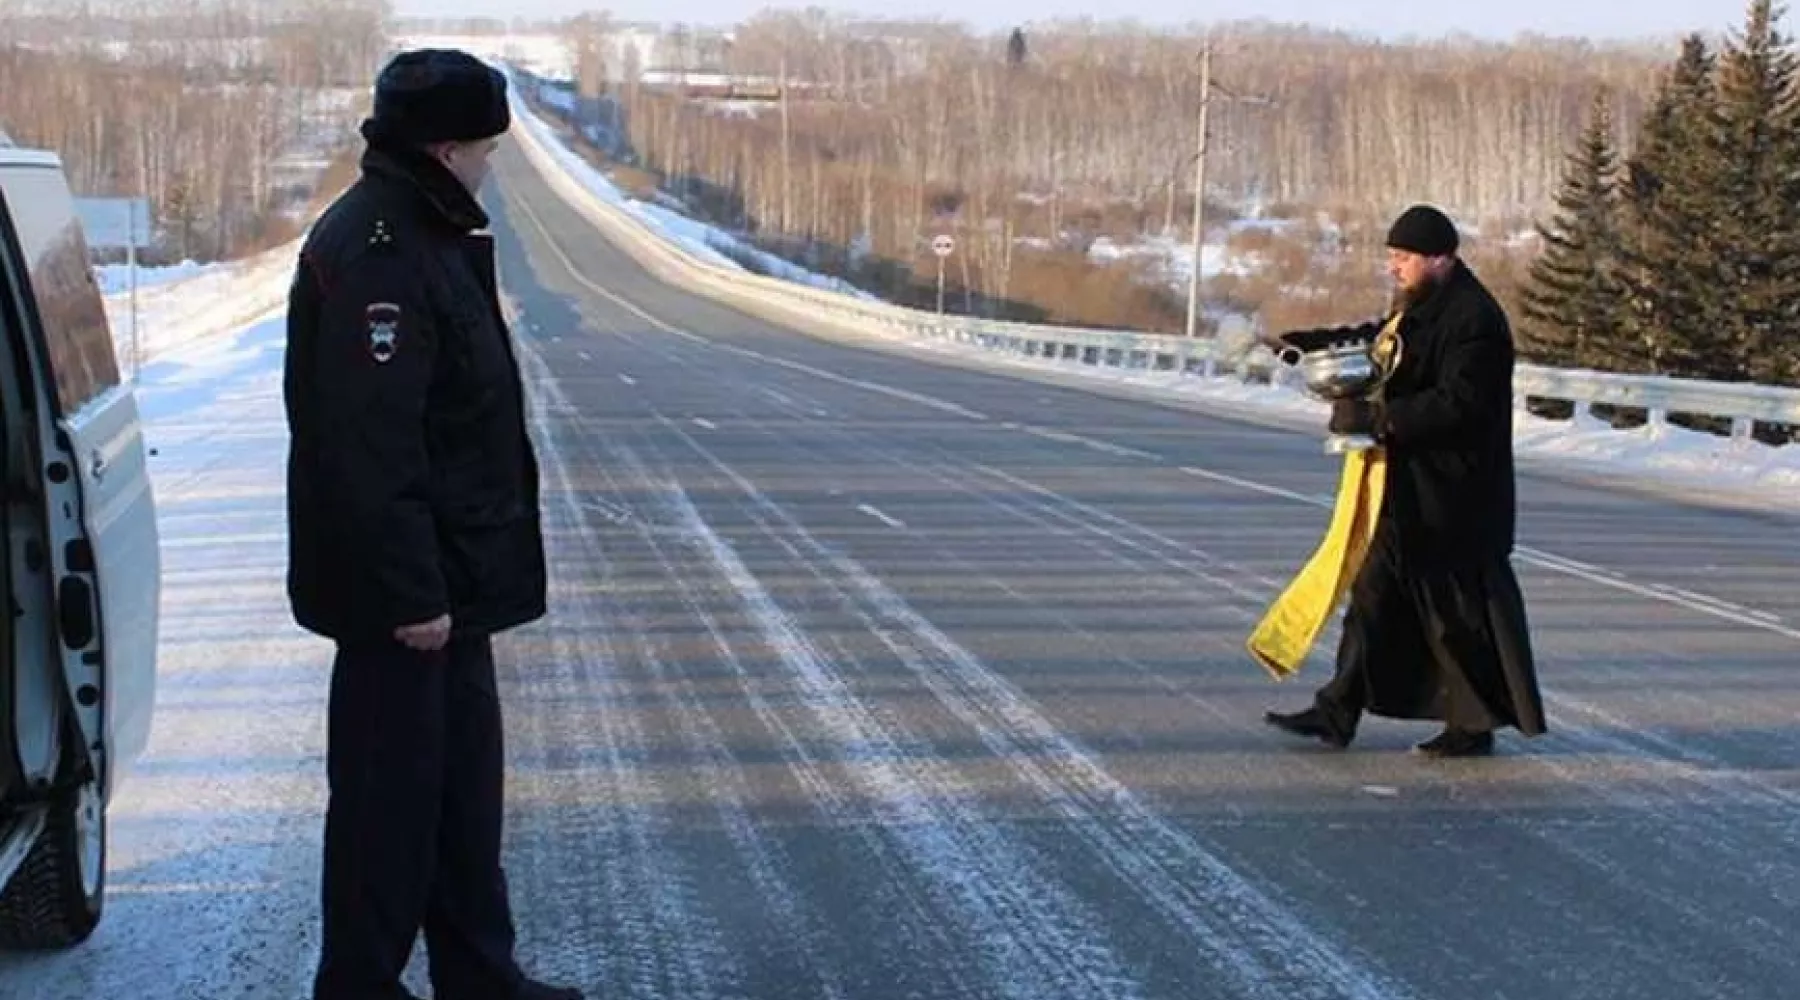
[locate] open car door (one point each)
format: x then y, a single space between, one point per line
85 554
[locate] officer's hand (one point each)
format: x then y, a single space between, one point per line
426 636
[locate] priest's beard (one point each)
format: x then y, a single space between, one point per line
1405 298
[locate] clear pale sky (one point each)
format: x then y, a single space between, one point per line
1610 19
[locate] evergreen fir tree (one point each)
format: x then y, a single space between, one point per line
1672 297
1572 302
1756 147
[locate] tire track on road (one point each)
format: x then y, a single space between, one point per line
1263 949
656 939
1034 939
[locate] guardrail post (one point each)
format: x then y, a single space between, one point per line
1741 429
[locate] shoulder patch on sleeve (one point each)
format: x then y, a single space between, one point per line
383 320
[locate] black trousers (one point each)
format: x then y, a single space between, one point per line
413 829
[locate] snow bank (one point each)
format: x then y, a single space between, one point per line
189 306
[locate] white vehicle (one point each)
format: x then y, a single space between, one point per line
81 577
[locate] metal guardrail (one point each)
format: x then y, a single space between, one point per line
1661 395
1236 349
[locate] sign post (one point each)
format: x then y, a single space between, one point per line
115 224
943 245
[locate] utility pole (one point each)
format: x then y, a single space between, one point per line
1193 304
1209 92
786 190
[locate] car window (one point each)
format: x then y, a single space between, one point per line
74 321
68 301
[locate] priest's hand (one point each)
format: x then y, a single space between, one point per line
1354 416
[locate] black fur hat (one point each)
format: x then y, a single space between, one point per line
1423 230
438 95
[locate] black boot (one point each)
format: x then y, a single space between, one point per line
1454 742
1314 723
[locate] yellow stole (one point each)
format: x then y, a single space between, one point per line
1281 641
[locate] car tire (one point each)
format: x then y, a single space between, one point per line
54 900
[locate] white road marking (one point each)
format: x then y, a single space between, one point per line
1551 561
891 522
1251 484
627 379
1769 616
1711 606
703 422
1067 438
886 390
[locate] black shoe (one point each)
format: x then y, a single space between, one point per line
1457 743
1311 722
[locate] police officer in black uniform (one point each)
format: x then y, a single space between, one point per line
414 536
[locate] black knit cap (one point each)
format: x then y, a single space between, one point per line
1423 230
439 95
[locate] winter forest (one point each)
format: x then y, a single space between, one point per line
1681 257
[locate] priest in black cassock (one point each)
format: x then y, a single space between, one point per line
1436 626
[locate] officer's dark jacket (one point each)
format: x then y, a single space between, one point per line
412 484
1446 422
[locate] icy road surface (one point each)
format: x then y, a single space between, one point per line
880 680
